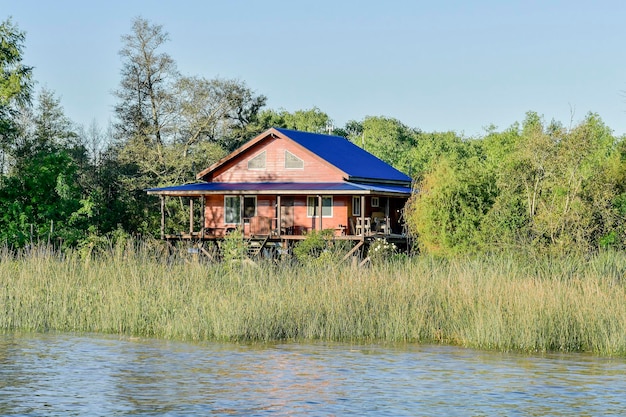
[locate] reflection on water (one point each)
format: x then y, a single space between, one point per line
61 374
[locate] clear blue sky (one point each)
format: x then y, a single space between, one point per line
433 65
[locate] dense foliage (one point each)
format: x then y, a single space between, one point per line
535 185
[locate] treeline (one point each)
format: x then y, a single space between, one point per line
535 185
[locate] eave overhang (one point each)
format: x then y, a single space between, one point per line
282 188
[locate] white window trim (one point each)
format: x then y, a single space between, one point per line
332 203
241 209
375 202
238 215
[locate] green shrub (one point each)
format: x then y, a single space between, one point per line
380 251
234 247
317 249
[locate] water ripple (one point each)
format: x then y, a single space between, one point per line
77 375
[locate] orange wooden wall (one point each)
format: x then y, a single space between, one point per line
266 206
315 169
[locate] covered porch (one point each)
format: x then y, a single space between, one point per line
287 211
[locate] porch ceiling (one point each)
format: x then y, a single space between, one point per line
283 188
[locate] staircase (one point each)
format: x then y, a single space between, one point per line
256 245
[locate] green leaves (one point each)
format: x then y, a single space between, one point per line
540 186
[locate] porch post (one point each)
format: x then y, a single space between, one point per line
202 219
319 204
363 215
162 217
190 215
241 223
279 219
387 220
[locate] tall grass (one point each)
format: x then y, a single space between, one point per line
500 302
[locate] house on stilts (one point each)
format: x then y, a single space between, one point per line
284 183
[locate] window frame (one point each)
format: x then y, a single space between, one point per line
227 210
311 209
253 197
237 215
356 205
296 157
262 154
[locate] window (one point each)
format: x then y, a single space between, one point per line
249 207
232 208
257 162
356 205
375 202
292 161
327 206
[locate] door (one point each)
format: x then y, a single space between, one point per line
286 215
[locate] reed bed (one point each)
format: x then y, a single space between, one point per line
500 302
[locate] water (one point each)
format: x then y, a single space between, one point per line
78 375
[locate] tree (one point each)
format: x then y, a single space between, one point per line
15 85
558 183
169 126
387 138
144 112
537 186
145 92
45 130
221 111
453 197
41 195
311 120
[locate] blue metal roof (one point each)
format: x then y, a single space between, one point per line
255 187
345 155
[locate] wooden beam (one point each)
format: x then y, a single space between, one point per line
191 216
208 255
241 224
279 220
387 220
162 198
354 249
202 214
319 204
363 215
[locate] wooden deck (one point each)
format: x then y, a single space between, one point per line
393 238
359 244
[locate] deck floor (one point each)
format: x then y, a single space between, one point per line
278 238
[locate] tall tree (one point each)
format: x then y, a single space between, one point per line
145 93
15 85
41 195
221 111
47 129
143 113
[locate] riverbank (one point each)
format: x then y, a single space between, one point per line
504 302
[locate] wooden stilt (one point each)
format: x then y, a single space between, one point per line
279 220
353 250
191 216
202 214
162 217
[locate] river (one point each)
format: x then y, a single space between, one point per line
78 375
